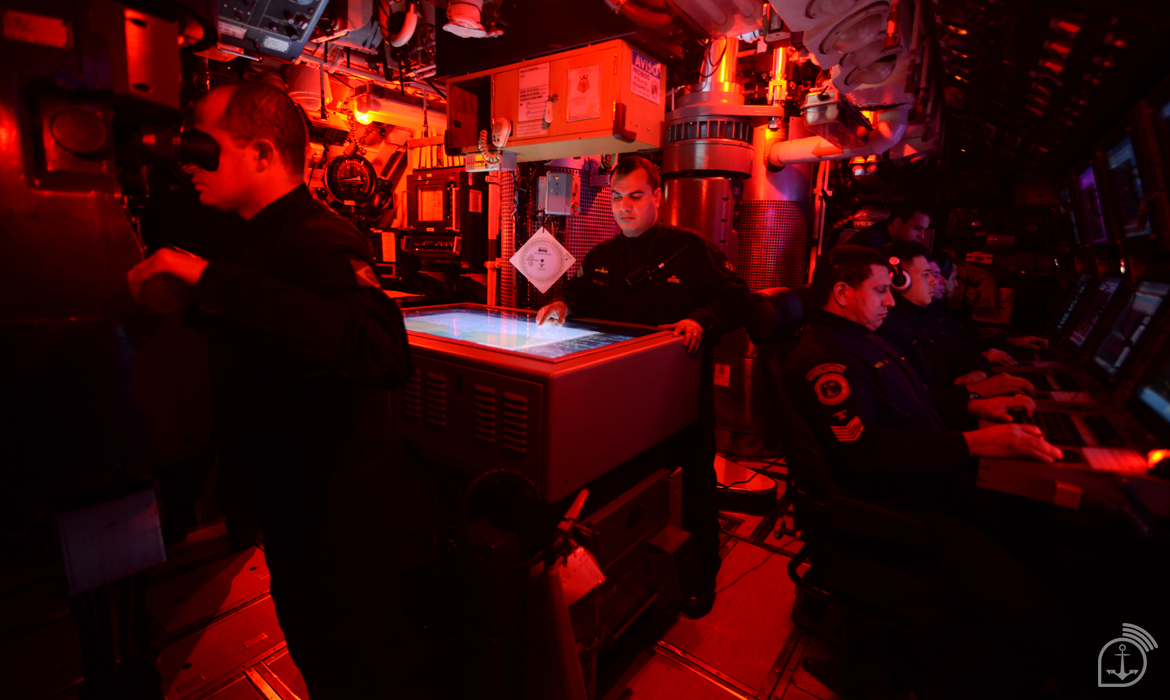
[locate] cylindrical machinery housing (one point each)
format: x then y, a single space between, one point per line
705 150
703 204
773 218
744 417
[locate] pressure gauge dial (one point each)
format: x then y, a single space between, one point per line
351 179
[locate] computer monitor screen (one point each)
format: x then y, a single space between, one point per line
1091 206
1132 322
1066 206
1094 308
1126 185
1154 393
517 332
1074 298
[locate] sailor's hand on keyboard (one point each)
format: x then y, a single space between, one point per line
1001 408
1029 341
1000 358
1002 385
974 375
1011 440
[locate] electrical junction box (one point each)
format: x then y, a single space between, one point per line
605 98
559 194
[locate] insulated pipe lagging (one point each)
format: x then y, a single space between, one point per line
403 35
889 127
644 16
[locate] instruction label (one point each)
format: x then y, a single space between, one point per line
542 260
528 129
533 92
646 78
584 92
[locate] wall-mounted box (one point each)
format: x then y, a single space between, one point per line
605 98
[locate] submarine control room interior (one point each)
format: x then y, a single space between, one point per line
584 349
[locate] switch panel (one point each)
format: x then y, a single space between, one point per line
276 28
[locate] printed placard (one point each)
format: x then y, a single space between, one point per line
542 260
37 29
533 92
584 93
529 129
646 78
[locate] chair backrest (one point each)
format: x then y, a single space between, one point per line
775 314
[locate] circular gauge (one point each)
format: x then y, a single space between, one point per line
351 179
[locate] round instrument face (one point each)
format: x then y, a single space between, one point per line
351 179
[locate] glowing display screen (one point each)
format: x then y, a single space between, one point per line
517 332
1066 206
1091 206
1130 325
1127 189
430 203
1082 286
1096 306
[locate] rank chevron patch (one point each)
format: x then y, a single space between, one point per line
850 432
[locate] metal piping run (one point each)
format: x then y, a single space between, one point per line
889 127
403 35
641 15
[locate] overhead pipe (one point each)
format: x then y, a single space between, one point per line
889 127
641 15
403 35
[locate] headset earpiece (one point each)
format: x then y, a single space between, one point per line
900 281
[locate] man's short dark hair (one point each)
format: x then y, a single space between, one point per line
905 251
629 164
850 264
262 111
906 211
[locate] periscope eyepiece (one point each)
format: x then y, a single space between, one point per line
190 146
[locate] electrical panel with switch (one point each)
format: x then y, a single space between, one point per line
559 194
276 28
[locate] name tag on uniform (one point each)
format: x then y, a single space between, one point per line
673 279
601 270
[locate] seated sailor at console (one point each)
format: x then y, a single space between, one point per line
993 347
954 371
884 440
658 275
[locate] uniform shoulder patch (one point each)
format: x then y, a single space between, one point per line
821 369
850 432
831 389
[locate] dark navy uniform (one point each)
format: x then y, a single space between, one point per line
876 417
937 357
949 322
305 347
697 283
876 421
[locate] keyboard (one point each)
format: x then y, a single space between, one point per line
1029 355
1063 381
1104 431
1058 428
